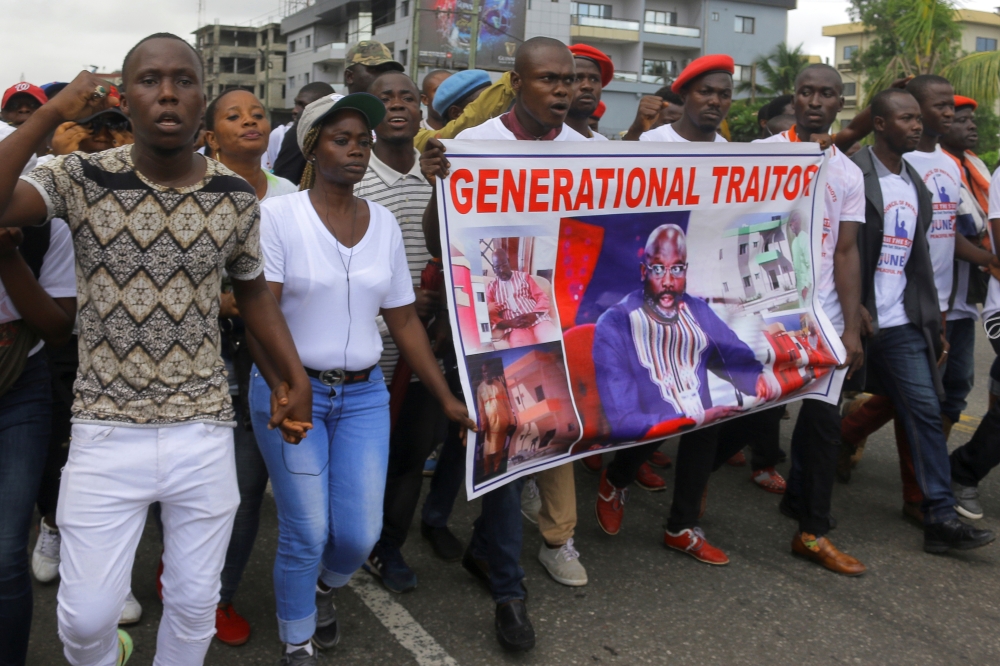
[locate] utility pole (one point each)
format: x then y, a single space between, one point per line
415 41
474 34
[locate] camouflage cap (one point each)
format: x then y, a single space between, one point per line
371 54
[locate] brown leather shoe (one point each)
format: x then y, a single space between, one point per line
825 554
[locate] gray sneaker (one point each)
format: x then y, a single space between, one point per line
531 501
300 657
967 501
327 632
563 564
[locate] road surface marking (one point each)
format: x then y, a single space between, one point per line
399 622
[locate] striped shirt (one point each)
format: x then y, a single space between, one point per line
406 196
517 296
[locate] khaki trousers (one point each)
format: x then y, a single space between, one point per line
557 517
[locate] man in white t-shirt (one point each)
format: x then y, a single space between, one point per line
898 293
706 86
543 81
594 70
816 438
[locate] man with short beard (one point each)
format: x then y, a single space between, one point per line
593 71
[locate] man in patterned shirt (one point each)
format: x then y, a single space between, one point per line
154 225
519 309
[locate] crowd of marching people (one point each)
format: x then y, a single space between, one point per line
195 304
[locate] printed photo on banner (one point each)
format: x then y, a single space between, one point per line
593 327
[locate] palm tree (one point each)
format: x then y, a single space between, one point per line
779 68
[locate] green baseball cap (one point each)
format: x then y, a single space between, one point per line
371 54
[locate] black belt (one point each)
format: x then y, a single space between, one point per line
338 377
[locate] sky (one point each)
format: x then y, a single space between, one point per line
58 38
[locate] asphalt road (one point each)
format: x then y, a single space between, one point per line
647 605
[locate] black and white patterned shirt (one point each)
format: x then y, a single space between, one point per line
149 264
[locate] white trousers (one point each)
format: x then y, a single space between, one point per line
112 476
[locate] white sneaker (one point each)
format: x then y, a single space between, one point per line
132 612
531 501
563 564
45 558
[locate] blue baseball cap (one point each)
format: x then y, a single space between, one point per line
458 86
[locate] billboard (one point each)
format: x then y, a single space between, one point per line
446 29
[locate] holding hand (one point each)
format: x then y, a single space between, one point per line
291 412
433 163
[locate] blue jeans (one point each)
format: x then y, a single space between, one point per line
25 424
497 536
328 490
898 356
959 372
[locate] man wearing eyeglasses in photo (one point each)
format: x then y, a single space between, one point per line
652 354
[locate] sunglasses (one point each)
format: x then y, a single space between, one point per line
114 123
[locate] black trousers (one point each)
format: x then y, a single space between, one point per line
761 431
971 462
815 445
695 459
63 362
420 426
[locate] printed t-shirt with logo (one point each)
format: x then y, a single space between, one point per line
668 134
899 200
992 304
942 177
844 201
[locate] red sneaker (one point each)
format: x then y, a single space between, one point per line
159 576
692 542
661 460
649 480
769 480
593 463
230 627
610 505
739 460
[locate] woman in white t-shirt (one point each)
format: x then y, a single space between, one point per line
37 305
335 262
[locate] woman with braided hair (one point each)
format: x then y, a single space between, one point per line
334 262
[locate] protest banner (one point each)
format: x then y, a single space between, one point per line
606 294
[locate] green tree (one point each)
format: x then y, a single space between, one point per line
742 120
779 68
913 37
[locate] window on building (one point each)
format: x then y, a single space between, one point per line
744 24
485 328
211 65
588 9
746 281
986 44
402 55
245 65
309 41
291 82
715 16
657 71
481 297
851 89
662 18
284 91
404 8
291 45
260 92
755 244
305 79
742 72
743 248
539 394
720 254
849 51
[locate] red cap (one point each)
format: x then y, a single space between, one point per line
23 89
703 65
961 101
599 57
599 111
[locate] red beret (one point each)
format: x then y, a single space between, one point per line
599 57
599 111
703 65
961 101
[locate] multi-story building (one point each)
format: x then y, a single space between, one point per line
649 41
249 58
980 32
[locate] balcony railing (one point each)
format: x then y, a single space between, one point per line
595 22
631 77
844 66
658 79
676 30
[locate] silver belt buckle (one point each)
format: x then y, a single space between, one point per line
332 377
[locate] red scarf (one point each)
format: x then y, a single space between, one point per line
977 184
511 122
